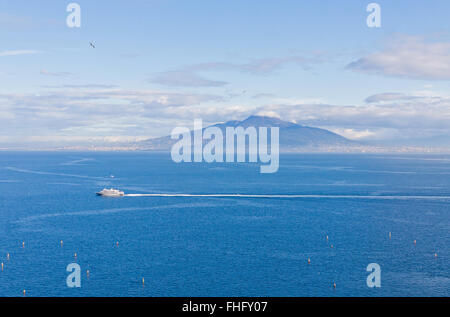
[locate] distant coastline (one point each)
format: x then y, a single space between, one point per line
353 150
294 138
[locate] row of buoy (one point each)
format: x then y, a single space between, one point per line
143 280
62 244
331 246
7 259
415 243
390 237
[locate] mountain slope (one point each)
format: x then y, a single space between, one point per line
293 136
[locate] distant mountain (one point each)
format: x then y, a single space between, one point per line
293 137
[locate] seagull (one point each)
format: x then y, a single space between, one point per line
93 46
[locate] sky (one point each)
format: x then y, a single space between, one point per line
158 64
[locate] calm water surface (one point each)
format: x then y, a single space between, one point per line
236 246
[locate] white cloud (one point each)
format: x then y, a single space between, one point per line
265 113
55 74
387 97
418 113
85 111
19 52
354 134
189 76
186 79
409 57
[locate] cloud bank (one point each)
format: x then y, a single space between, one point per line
410 57
82 111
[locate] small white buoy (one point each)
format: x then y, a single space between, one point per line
2 266
75 255
143 281
309 261
435 255
87 273
117 243
23 244
415 242
24 292
7 256
327 238
62 243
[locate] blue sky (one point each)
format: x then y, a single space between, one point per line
158 64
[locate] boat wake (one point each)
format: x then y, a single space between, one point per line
400 197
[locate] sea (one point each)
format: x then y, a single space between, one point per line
340 211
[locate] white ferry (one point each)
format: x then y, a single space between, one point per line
110 192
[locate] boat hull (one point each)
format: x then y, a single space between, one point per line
110 193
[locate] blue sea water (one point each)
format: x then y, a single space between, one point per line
234 246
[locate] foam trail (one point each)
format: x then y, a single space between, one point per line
77 162
290 196
23 170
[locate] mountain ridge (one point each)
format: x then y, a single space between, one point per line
293 136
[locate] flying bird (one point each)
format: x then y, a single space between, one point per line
93 46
